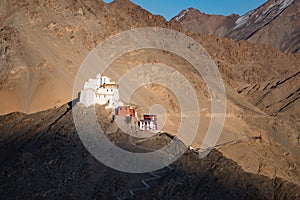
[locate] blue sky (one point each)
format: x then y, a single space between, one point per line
170 8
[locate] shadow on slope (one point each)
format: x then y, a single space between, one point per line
43 157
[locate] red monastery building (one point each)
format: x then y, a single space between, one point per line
126 111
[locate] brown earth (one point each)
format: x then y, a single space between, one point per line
43 45
42 157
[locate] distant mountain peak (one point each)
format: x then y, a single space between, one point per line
275 23
182 15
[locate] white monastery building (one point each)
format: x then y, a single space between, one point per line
100 91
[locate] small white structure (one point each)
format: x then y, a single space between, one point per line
100 91
149 123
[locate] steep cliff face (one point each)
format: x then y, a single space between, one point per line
276 23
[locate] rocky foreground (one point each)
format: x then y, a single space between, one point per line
43 157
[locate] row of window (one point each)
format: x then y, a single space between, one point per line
104 95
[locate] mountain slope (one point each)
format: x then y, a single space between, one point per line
42 49
198 22
43 45
43 157
275 23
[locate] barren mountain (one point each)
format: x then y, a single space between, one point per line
195 21
43 45
275 23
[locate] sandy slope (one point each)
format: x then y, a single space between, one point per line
44 45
